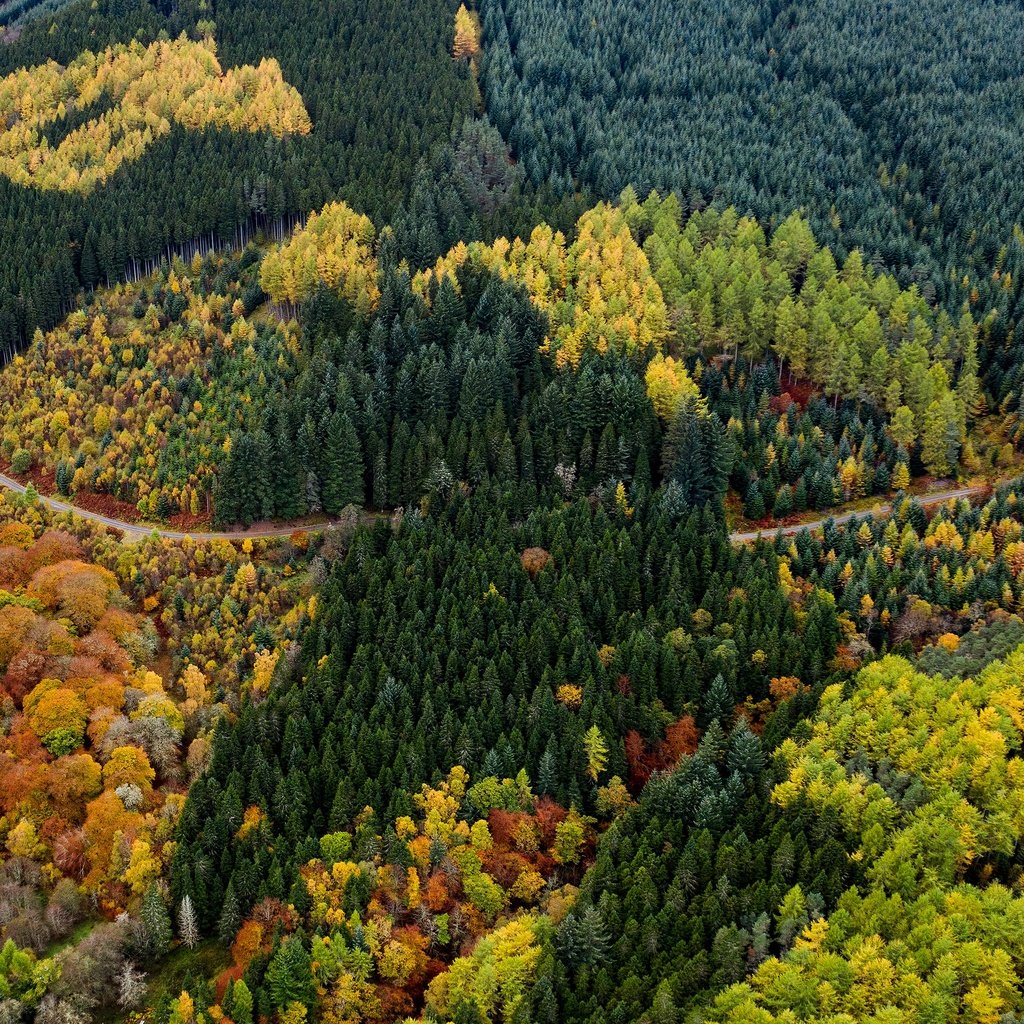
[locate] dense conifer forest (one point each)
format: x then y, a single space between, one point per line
854 113
511 512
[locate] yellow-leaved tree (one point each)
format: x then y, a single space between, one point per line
496 975
921 938
334 249
467 34
598 292
150 87
669 386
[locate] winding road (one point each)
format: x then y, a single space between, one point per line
137 530
878 511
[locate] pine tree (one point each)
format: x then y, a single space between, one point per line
241 1003
968 390
547 777
720 702
753 507
188 925
783 503
89 269
800 495
717 455
289 978
230 916
940 440
157 920
745 755
285 479
698 455
342 466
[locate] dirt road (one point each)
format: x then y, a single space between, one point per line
137 530
878 511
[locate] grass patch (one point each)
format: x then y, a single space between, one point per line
167 977
73 937
206 960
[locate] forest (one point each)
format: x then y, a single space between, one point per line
512 512
117 664
179 80
145 418
207 186
390 382
853 113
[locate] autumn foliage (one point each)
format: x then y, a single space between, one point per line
681 739
534 560
467 34
97 745
334 249
598 291
669 386
445 907
136 396
934 890
152 86
71 685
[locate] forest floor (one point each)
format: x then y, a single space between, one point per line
207 960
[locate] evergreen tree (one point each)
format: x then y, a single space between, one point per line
343 466
289 978
188 924
157 921
230 916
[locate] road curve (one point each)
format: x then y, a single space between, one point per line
137 530
878 511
